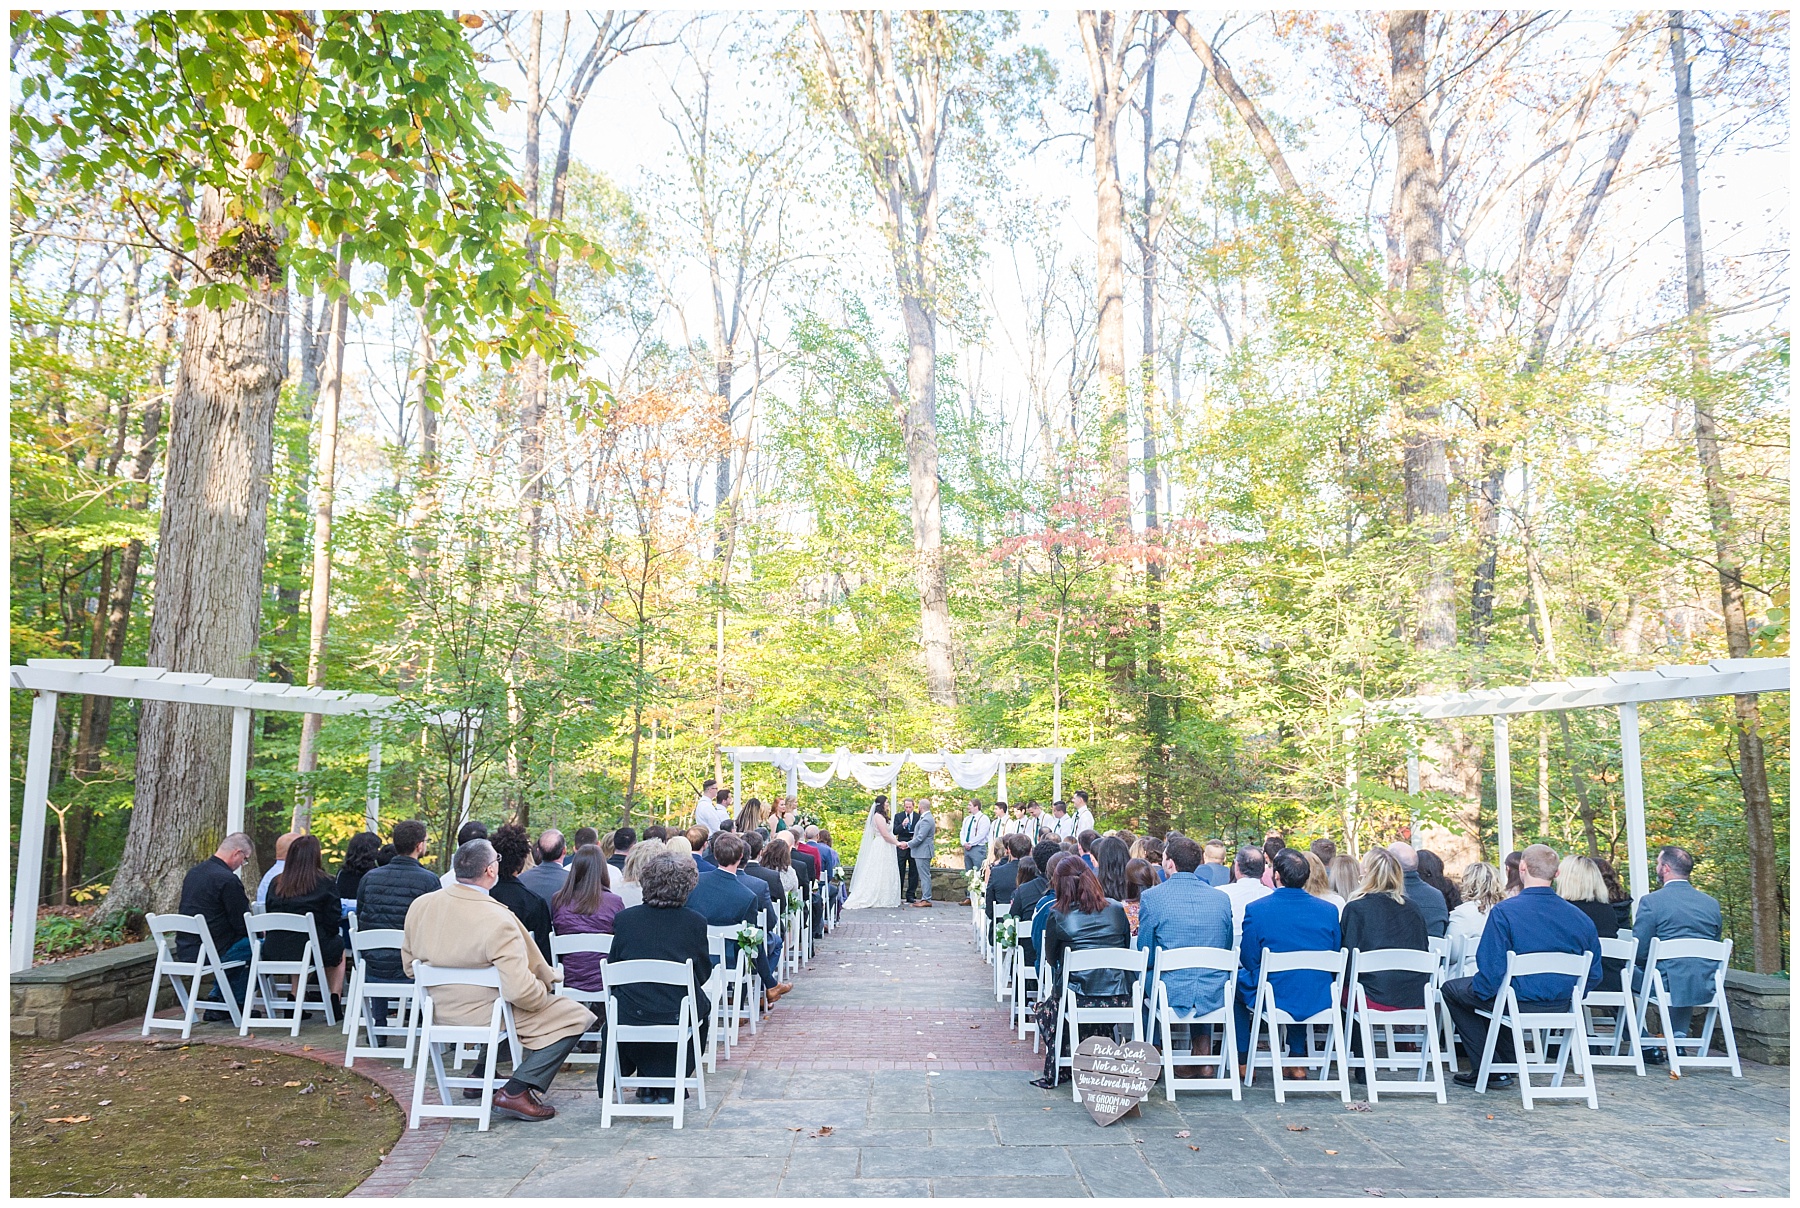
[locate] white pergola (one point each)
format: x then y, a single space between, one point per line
879 770
49 679
1623 691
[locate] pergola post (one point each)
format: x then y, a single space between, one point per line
1056 780
1002 789
31 829
1503 784
737 780
240 770
468 782
1412 788
1351 840
1631 756
372 811
793 783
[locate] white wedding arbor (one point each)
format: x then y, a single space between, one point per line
879 770
49 679
1623 691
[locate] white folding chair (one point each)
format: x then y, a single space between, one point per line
1449 950
263 973
1428 1068
1070 1015
359 1007
1572 1049
1167 1019
1025 977
1718 1009
433 1035
1267 1012
563 945
978 908
1604 1047
718 989
1000 956
206 962
682 1035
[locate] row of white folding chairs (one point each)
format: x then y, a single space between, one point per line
261 984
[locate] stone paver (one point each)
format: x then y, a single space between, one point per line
889 1072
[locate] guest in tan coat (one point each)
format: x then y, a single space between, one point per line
461 927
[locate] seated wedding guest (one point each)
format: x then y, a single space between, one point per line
1080 918
623 839
513 846
1578 880
546 876
835 889
385 854
778 858
756 844
1379 917
1030 891
1138 878
1040 912
1617 894
1004 877
1111 855
1677 911
809 866
585 835
585 905
764 886
1272 843
469 830
213 890
1186 912
1246 884
1344 876
360 856
656 830
382 900
1482 890
1512 872
1084 842
1212 869
662 929
1420 896
1534 920
679 844
462 927
697 836
1285 919
304 888
605 845
1325 849
627 885
1153 856
723 900
1431 871
282 843
1318 881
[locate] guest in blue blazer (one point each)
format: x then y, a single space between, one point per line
724 901
1287 920
1185 912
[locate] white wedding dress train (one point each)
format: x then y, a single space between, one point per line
875 884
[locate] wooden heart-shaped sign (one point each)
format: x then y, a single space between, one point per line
1112 1078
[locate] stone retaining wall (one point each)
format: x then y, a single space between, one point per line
68 997
1759 1015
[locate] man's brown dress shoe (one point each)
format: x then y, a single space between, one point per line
522 1106
923 902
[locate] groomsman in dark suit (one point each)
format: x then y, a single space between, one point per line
904 822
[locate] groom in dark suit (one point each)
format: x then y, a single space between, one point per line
904 822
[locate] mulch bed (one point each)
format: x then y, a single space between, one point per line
179 1118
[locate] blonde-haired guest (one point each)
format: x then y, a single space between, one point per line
1377 917
640 854
1345 875
1483 887
1580 881
1318 882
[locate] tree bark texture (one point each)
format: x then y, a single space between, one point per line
209 562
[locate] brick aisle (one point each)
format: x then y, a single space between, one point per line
892 990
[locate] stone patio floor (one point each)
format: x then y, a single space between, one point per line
890 1071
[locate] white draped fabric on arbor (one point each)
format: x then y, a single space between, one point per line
879 770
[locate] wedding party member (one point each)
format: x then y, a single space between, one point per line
1080 918
282 843
662 929
875 882
627 885
1084 814
1420 896
1246 885
707 811
212 890
921 847
974 835
728 807
1344 876
1578 880
382 900
1285 919
585 905
1482 889
548 874
1186 912
304 888
463 927
750 817
513 846
1212 869
1062 823
469 830
623 840
360 857
1677 911
1318 882
904 820
1431 871
1534 920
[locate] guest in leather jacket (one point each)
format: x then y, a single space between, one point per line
1082 917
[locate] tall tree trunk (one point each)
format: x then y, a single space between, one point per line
209 564
1156 712
927 498
331 397
1753 773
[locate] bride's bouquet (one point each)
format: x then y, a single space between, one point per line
749 939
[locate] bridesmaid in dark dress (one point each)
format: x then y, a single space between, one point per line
662 929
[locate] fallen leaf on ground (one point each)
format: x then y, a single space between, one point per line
824 1130
306 1048
181 1099
307 1089
1332 1152
74 1065
1184 1133
1490 1116
290 1084
256 1082
1195 1148
106 1103
797 1128
1299 1128
235 1065
68 1119
1375 1191
1358 1106
309 1144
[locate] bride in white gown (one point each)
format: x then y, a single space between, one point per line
876 881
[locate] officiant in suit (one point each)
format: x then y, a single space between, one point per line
904 822
921 846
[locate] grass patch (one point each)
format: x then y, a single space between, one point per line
175 1118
